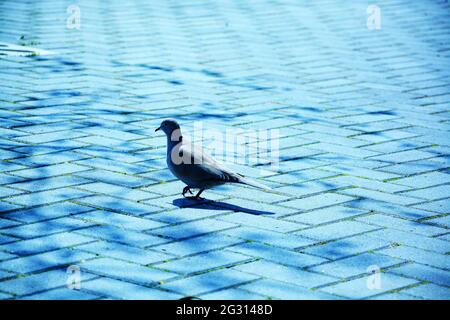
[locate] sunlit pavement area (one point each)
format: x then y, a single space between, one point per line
359 92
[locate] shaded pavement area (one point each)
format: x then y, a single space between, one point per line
359 205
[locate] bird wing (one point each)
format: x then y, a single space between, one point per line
204 168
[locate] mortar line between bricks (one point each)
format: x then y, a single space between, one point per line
360 276
42 291
351 218
396 290
54 267
379 116
421 263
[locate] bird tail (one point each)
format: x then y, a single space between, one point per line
253 183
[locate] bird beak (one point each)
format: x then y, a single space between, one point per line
157 129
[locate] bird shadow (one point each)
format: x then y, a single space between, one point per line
206 204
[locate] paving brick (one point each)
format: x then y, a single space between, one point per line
168 188
380 196
4 223
124 252
307 188
39 282
47 212
440 206
363 145
182 215
280 256
356 265
260 221
276 239
441 221
126 271
331 138
111 133
250 207
39 229
366 183
352 152
119 220
119 205
204 262
62 294
403 156
33 160
128 237
402 224
316 202
232 294
432 193
46 197
208 282
358 288
414 167
393 146
50 183
293 166
4 206
418 255
425 273
111 165
389 208
114 178
251 193
5 274
425 180
45 260
418 241
5 256
49 137
301 177
326 215
110 143
199 244
124 290
285 274
117 191
50 171
6 192
429 291
45 243
328 128
192 229
445 237
346 247
393 296
286 291
385 136
4 296
335 231
109 153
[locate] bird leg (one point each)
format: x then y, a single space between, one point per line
186 189
198 194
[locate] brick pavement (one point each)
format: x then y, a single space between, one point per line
364 175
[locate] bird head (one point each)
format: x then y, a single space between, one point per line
168 126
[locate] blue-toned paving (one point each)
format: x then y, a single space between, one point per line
358 91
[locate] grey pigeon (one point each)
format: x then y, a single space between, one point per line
195 167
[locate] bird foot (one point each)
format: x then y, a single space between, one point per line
197 196
185 190
194 198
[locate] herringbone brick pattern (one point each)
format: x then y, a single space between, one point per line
363 179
